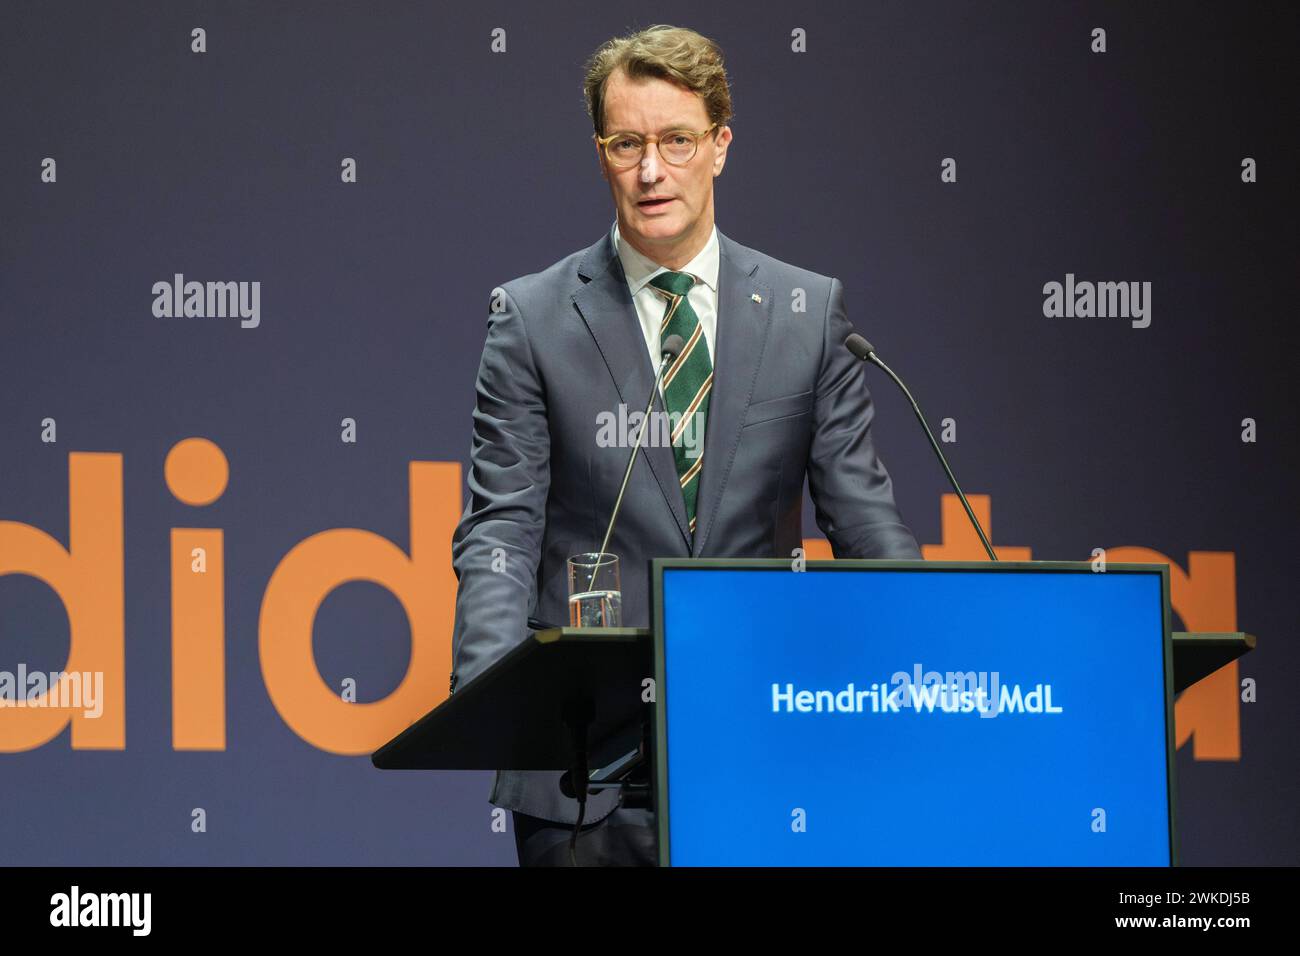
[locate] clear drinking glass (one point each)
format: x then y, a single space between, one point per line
595 595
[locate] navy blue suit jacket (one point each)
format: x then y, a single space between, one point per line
564 346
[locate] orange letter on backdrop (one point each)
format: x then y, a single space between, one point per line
1205 597
87 577
197 472
425 585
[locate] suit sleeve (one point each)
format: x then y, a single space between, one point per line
851 491
496 546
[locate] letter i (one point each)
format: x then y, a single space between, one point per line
196 471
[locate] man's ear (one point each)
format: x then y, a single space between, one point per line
720 150
600 161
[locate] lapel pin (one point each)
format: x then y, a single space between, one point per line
757 298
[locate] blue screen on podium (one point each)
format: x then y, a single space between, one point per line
881 717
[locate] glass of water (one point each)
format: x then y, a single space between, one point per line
595 596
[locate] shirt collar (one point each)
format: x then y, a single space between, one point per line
640 270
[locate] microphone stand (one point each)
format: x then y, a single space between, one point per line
668 356
863 349
578 777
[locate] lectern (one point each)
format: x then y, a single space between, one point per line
902 713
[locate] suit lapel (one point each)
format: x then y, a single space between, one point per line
605 304
741 339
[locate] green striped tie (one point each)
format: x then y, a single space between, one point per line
686 383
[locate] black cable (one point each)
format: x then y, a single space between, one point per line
573 837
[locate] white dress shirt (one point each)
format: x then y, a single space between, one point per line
650 305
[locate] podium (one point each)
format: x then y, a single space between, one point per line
705 751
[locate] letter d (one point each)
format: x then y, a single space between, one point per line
87 577
425 585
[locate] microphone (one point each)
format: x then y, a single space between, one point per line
668 352
864 350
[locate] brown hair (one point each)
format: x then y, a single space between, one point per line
676 54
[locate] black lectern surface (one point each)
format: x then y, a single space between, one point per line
1200 654
511 717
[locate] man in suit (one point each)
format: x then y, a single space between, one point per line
764 378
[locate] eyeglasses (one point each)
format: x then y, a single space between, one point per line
677 147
